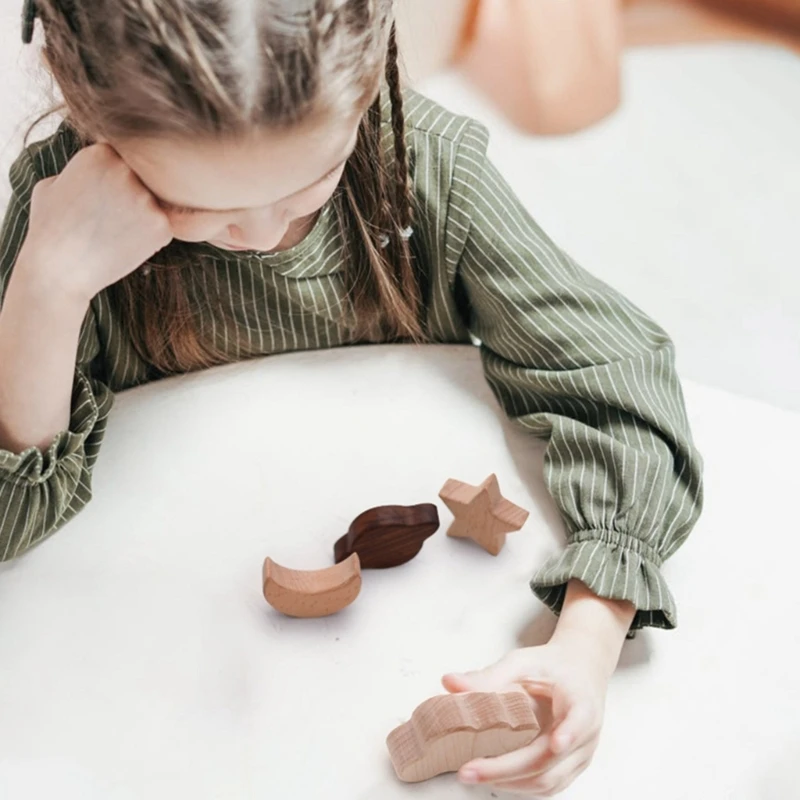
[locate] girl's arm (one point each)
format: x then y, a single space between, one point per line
52 412
39 332
577 364
602 625
568 679
65 238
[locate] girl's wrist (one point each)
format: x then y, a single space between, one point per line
33 279
594 625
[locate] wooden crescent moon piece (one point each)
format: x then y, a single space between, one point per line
447 731
482 513
316 593
388 536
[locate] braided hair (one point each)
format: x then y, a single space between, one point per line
225 68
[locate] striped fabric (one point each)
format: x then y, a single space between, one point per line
567 357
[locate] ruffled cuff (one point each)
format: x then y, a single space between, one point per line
34 466
614 566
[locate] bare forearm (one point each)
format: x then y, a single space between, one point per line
39 333
602 624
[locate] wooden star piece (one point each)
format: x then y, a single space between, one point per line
482 513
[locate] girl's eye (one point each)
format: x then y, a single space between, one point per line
184 211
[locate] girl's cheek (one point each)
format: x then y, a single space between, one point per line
312 201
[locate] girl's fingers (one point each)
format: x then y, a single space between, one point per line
538 687
456 683
534 758
575 724
507 673
552 781
576 730
496 678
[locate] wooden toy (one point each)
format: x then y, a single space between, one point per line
482 513
447 731
388 536
319 593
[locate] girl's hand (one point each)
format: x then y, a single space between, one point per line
91 225
570 687
568 678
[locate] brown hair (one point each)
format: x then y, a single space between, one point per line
129 68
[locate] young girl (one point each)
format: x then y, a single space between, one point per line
237 178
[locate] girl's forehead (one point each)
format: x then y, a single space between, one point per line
249 172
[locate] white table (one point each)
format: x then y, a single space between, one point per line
139 660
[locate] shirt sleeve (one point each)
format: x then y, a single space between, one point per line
41 490
575 363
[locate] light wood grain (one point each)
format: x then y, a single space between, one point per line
482 513
318 593
446 732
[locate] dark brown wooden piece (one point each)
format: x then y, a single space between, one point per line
388 536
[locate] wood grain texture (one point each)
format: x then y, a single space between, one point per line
446 732
317 593
388 536
482 513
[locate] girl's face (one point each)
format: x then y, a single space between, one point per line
256 194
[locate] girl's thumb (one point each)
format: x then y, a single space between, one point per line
496 678
456 682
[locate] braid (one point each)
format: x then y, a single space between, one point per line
185 39
205 68
404 200
383 221
29 14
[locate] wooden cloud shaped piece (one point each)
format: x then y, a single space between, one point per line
447 731
388 536
316 593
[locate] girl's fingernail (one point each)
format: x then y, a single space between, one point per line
468 776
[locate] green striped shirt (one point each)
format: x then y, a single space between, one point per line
567 357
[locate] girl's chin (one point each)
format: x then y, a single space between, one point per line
224 246
214 243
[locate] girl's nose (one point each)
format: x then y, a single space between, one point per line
236 234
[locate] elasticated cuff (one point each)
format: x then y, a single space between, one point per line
34 466
614 566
